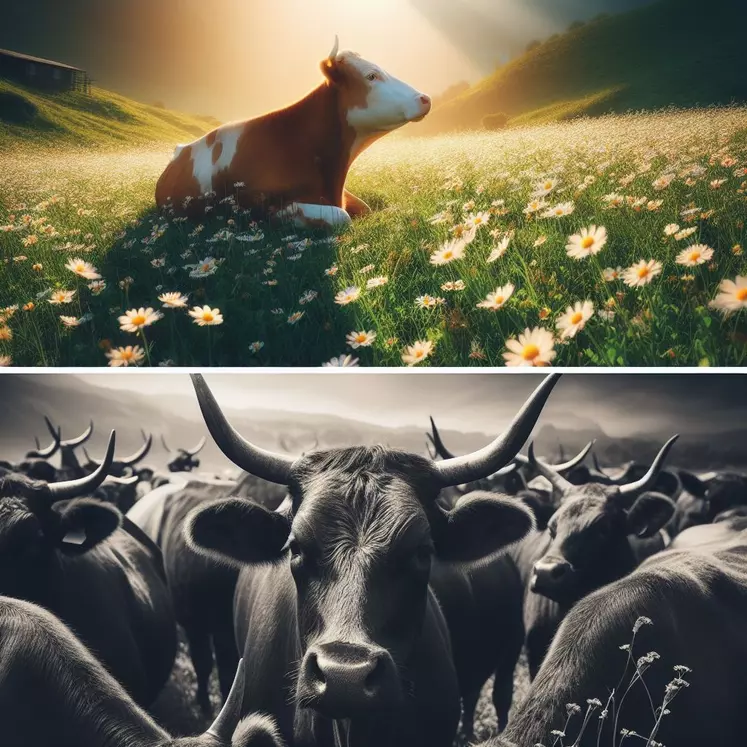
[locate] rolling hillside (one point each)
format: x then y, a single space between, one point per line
673 53
101 118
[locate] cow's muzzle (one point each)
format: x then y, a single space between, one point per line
552 577
343 680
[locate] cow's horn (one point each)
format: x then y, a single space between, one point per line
265 464
557 480
141 453
51 450
634 488
165 445
61 491
499 453
438 443
225 725
73 442
114 480
563 467
197 449
335 49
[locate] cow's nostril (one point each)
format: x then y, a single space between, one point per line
374 677
425 99
559 570
315 671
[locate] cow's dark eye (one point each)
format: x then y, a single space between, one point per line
552 530
372 77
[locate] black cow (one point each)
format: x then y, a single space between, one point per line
100 575
587 544
124 466
185 459
695 594
705 496
55 693
201 588
341 632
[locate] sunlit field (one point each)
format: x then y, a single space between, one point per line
604 242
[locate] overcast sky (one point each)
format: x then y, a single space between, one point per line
621 404
238 58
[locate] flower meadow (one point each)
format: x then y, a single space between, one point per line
615 241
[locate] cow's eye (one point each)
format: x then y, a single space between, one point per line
294 547
372 77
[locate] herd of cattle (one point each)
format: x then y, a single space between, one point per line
367 597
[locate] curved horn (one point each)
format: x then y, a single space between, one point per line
51 450
73 442
165 445
634 488
197 449
265 464
564 466
557 480
335 49
61 491
140 453
498 454
113 480
438 443
225 725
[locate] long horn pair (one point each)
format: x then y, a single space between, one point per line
630 489
129 461
228 719
71 443
469 468
600 475
52 449
444 453
73 488
197 449
165 445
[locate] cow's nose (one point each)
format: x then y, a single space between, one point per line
425 100
341 680
550 575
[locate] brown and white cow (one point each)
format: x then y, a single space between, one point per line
293 163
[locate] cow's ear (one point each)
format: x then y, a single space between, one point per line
257 730
86 523
693 484
237 531
331 70
650 513
481 525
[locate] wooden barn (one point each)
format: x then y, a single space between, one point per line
46 75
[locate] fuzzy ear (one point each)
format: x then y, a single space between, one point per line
257 731
480 525
85 523
693 484
331 70
650 513
237 531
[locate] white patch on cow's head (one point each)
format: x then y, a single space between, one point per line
390 103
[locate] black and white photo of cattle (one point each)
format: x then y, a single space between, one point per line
559 561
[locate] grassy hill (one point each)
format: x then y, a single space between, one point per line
673 53
101 118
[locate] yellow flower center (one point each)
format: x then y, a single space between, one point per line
642 272
742 295
360 338
127 355
588 242
694 256
548 185
139 320
577 318
208 316
499 300
206 268
449 254
531 352
558 211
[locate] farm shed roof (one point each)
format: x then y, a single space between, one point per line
39 60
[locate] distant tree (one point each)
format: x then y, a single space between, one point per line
576 25
533 45
496 121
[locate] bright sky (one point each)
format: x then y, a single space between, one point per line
283 50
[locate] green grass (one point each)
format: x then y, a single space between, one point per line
671 53
259 285
102 119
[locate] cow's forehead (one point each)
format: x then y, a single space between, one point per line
357 63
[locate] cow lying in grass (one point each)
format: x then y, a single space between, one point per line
293 163
54 693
